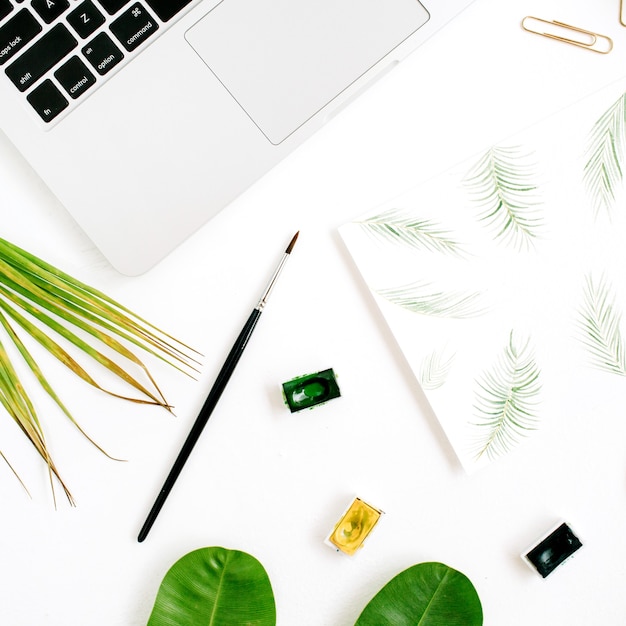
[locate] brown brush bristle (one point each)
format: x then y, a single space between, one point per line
292 243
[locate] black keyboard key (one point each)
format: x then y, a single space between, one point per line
102 53
134 26
49 10
167 9
74 77
43 55
113 6
5 8
47 100
85 19
16 33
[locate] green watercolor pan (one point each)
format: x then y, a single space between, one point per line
554 548
305 392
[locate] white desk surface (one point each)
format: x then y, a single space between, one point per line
271 483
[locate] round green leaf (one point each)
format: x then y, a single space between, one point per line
215 587
428 594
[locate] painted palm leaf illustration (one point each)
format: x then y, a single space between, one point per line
507 399
397 227
435 369
61 315
605 156
600 325
425 299
501 185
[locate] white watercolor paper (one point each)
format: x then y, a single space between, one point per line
504 279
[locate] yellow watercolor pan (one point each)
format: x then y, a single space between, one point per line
354 526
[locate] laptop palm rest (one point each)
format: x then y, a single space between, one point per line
283 64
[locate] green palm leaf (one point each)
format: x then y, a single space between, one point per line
396 226
501 184
506 400
600 326
40 301
605 154
424 299
435 369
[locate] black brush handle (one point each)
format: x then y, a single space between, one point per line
203 417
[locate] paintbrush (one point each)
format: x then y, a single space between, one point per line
214 395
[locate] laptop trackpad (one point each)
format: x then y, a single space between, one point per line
284 60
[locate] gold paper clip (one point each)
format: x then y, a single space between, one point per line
622 13
563 32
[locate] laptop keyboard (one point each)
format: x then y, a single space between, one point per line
57 52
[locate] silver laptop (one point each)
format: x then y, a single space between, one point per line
145 118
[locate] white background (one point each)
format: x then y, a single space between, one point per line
271 483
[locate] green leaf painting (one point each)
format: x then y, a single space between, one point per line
215 587
434 369
428 594
600 325
541 219
502 185
605 156
507 400
397 227
425 299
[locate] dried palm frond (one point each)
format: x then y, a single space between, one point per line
62 313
